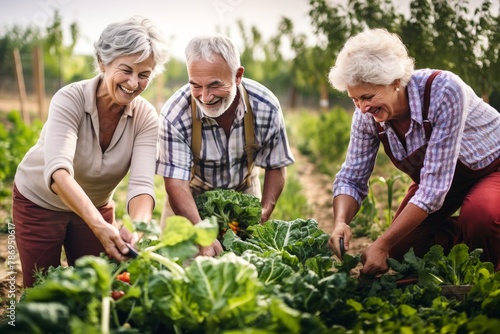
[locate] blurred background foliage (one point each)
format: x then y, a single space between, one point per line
446 34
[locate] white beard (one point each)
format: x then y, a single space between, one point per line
226 102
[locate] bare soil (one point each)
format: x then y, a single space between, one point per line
318 189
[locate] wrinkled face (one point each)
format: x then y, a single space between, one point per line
124 80
380 101
212 85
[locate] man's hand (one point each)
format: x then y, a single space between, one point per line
264 216
341 230
213 250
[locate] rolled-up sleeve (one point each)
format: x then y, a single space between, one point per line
354 175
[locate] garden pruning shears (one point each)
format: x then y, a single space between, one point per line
342 248
132 252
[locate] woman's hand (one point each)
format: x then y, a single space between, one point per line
112 241
374 259
341 230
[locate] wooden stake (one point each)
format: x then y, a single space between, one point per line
38 66
21 87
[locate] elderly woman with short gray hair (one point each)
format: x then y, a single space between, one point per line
97 131
435 129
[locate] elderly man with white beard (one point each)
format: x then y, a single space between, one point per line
217 131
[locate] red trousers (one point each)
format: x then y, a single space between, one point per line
41 234
477 225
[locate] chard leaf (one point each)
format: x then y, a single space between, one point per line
271 269
49 317
206 231
101 268
298 237
177 229
458 258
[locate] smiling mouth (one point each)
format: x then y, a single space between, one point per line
126 90
213 102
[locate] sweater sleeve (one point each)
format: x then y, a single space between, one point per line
65 113
142 166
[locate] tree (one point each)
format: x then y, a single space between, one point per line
442 34
56 53
446 35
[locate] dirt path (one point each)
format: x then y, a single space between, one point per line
318 189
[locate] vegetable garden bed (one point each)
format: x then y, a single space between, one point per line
281 279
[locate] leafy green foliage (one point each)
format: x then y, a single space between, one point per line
16 138
299 238
323 137
368 221
228 206
264 284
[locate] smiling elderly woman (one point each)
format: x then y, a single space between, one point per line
97 131
435 129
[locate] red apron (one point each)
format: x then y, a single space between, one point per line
478 224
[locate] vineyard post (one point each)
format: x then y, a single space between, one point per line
20 85
39 77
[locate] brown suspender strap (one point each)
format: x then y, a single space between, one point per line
196 136
250 145
425 117
427 102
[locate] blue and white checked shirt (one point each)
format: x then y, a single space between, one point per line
463 127
223 163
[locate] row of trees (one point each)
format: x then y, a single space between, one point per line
446 34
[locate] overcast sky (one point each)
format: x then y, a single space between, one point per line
180 20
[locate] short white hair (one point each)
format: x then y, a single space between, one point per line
374 56
205 47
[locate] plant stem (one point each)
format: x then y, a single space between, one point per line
174 268
106 303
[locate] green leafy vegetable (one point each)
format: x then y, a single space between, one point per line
281 279
230 207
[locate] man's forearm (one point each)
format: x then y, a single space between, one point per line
274 182
181 199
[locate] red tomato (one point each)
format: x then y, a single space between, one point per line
117 294
124 277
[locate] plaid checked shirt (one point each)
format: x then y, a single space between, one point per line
464 127
223 162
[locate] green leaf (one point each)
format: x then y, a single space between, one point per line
206 231
50 317
101 268
177 229
228 205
